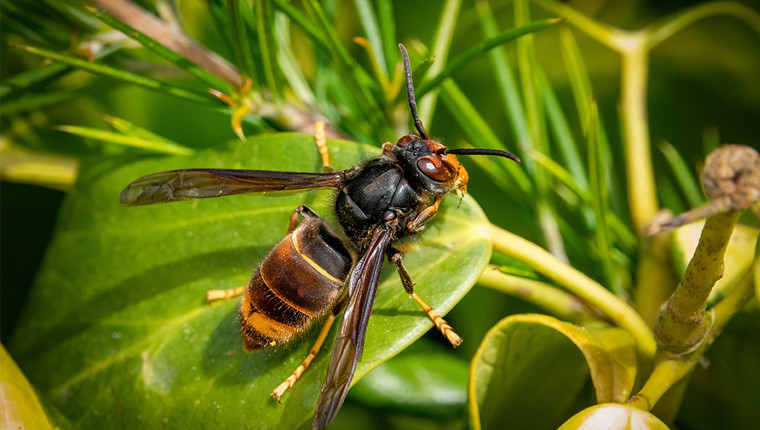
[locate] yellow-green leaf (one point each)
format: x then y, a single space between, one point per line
530 368
21 409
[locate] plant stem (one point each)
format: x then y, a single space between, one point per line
671 370
557 302
682 326
664 376
577 283
672 24
642 195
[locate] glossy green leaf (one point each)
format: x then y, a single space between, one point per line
530 368
424 380
21 408
117 332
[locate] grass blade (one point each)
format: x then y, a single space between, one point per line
477 130
122 75
444 33
479 48
580 83
371 29
577 74
561 174
510 95
264 22
241 39
289 66
598 198
302 22
162 145
129 129
363 87
35 101
566 143
685 178
174 47
22 83
20 164
29 79
387 22
529 70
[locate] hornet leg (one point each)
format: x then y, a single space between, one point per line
291 380
319 137
406 280
214 295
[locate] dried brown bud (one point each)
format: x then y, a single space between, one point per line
732 182
732 172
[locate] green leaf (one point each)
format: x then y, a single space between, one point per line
117 332
528 370
21 406
424 380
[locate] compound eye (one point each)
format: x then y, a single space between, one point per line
432 167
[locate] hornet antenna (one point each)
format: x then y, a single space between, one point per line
410 92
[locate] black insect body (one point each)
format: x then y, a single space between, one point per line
316 271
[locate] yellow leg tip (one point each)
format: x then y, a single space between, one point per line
279 391
214 295
453 338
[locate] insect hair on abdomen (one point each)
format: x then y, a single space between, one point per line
296 284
